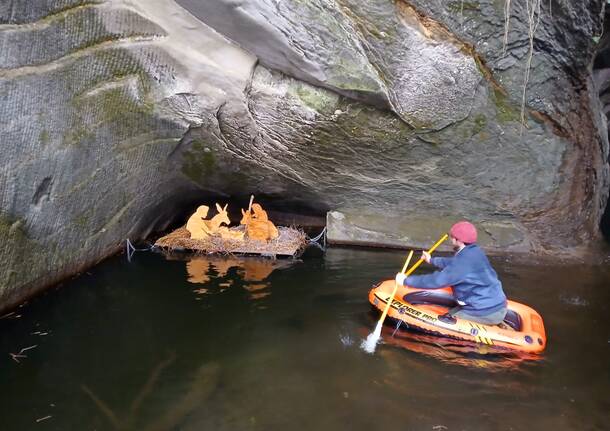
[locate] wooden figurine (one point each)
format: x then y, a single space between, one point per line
200 228
259 213
258 225
196 223
213 225
226 233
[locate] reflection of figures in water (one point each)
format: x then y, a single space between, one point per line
257 270
197 270
253 271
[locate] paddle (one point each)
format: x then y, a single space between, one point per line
371 341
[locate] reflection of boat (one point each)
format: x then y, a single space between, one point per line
522 329
456 352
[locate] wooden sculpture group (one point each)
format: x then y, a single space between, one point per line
258 227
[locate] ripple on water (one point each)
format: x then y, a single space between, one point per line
576 301
346 340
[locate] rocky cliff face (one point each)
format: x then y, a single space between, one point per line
601 77
398 116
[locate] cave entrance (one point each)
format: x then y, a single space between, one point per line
281 211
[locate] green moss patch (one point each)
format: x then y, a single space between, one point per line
199 162
319 99
479 123
506 112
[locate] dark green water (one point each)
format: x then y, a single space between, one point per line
162 344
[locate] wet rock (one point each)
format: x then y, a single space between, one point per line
95 98
372 230
117 114
367 51
314 41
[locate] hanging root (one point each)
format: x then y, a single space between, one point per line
533 19
462 15
506 25
533 8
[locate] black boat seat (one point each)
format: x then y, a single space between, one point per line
443 299
430 297
513 320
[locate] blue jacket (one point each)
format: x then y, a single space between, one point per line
474 281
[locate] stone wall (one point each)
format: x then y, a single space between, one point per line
399 117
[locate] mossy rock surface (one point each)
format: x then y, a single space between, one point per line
118 116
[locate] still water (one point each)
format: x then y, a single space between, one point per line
247 344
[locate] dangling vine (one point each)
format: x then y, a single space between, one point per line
462 14
533 9
506 25
533 18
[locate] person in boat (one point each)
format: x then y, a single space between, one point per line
476 287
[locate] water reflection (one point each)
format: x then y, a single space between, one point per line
253 271
298 361
455 352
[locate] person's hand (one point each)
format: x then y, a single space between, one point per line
400 279
426 256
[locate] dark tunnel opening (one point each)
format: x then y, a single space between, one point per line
173 214
291 207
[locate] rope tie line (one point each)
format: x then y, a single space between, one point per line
316 240
130 249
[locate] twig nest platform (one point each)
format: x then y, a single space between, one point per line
289 242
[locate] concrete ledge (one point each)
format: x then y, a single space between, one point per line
374 230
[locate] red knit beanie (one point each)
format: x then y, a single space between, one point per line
464 231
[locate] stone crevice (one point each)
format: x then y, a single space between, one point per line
42 191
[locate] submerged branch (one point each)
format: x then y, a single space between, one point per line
103 408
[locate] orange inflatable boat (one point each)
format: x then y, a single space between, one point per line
424 310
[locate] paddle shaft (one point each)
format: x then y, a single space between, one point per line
413 268
387 306
420 261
